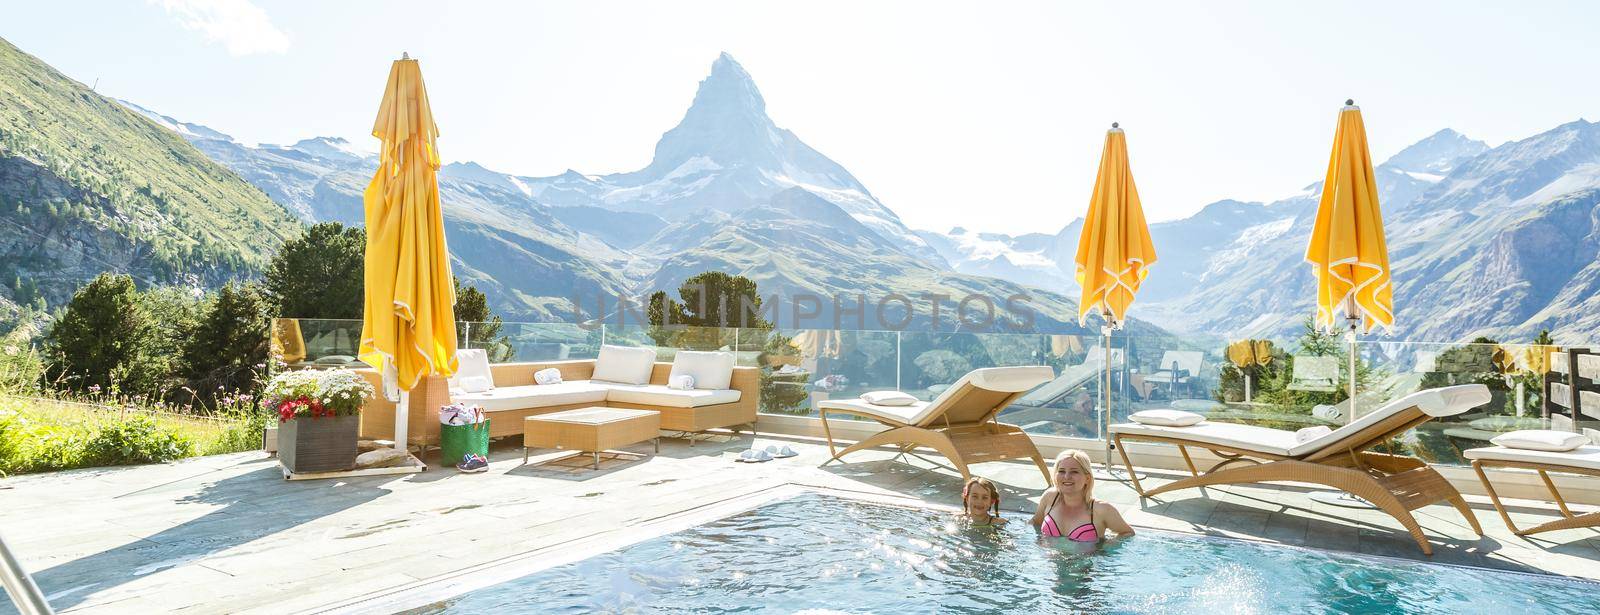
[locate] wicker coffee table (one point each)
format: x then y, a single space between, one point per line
590 430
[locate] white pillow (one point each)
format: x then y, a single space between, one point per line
711 370
624 365
1166 418
1311 433
888 398
548 375
475 384
1541 440
472 363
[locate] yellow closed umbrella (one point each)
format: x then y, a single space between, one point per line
408 325
1114 249
1114 253
1347 250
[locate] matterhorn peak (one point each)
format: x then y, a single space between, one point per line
728 90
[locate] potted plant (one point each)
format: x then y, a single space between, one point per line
319 415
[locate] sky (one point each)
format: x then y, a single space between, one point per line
989 116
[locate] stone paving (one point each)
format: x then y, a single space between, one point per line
228 534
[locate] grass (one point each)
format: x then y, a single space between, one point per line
43 435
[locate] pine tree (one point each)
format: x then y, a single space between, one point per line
99 336
229 347
319 274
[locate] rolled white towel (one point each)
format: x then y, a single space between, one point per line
548 375
681 382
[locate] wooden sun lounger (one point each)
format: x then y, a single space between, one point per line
1394 484
960 423
1583 460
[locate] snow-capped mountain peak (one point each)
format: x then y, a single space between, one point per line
1436 155
332 147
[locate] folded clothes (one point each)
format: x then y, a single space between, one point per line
461 414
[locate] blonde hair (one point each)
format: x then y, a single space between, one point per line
994 494
1083 462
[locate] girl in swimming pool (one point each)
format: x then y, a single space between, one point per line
980 500
1068 508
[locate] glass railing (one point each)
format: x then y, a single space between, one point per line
1285 384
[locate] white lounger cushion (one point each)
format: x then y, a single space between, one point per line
900 414
1584 457
1001 379
889 398
1541 440
1443 401
535 396
660 395
1248 437
1169 418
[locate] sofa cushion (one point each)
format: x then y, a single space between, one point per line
660 395
471 362
624 365
711 370
536 396
475 384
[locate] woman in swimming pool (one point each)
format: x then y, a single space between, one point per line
980 501
1068 508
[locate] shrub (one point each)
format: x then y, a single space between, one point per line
135 439
246 423
10 441
21 366
97 340
229 346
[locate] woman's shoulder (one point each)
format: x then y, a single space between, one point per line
1101 506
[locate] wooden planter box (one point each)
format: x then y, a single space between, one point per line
318 445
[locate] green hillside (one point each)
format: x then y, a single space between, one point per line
88 186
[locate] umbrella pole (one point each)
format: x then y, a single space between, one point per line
402 411
1352 319
1105 347
1345 498
1105 434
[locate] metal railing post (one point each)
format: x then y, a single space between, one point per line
19 584
897 358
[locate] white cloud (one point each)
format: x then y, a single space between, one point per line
243 27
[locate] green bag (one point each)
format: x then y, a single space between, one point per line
456 441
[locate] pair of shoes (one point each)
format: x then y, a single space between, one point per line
754 456
780 453
472 464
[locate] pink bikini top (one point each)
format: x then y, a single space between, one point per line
1082 533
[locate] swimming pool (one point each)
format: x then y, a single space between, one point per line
828 554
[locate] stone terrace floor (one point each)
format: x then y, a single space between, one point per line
228 534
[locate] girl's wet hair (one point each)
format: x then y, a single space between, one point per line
994 493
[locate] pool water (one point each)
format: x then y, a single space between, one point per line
823 554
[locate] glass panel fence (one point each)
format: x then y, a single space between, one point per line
1283 384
